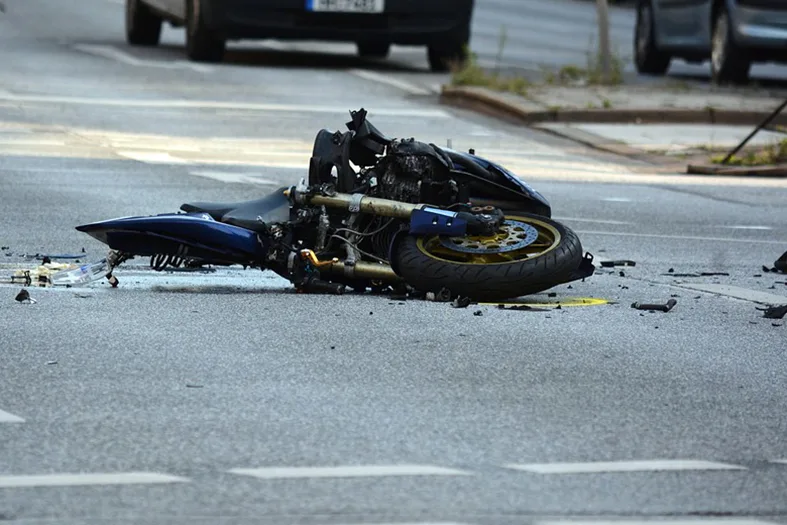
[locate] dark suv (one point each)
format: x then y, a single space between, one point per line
733 34
441 25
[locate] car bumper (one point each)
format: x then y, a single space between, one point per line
416 22
761 24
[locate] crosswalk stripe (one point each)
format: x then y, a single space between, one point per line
350 471
64 480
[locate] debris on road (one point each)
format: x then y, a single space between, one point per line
521 307
774 312
478 313
656 307
24 296
781 263
51 362
443 296
192 385
461 302
610 264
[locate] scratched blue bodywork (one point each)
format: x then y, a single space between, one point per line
185 234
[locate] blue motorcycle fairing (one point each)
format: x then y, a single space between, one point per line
528 190
172 233
435 221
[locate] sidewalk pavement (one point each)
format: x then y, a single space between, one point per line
669 126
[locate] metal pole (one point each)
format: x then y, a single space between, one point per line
756 130
603 39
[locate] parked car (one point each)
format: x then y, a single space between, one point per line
441 25
733 34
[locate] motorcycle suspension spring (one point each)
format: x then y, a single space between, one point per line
160 261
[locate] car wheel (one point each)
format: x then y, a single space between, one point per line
202 43
374 49
143 26
729 62
648 58
450 52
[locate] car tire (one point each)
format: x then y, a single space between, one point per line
647 56
449 52
373 49
143 26
202 43
729 63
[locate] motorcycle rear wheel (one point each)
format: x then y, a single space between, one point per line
506 265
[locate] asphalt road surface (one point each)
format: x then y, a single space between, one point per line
225 398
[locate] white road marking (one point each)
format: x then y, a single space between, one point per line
390 81
113 53
5 417
622 466
656 521
215 104
30 142
152 157
682 237
242 178
347 471
737 292
599 221
616 199
748 227
65 480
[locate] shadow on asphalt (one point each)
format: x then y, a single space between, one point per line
256 57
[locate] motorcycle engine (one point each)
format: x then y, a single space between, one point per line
414 172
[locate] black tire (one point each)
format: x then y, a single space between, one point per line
490 282
374 49
450 52
647 56
202 43
729 63
143 26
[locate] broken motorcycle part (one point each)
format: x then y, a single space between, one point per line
774 312
610 264
657 307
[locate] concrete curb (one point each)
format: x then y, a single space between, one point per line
778 170
495 104
527 113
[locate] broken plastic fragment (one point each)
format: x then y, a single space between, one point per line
781 263
660 307
610 264
82 274
774 312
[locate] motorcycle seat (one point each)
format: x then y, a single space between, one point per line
251 215
214 209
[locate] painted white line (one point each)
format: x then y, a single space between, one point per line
599 221
782 461
152 157
230 177
113 53
682 237
765 228
347 471
737 292
215 104
656 521
616 199
5 417
64 480
407 87
622 466
31 142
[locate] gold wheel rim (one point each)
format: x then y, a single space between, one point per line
548 240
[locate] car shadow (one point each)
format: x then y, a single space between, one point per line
302 59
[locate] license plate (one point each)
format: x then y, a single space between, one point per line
346 6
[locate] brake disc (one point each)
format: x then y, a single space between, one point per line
512 235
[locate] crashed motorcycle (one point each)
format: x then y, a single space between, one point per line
374 213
